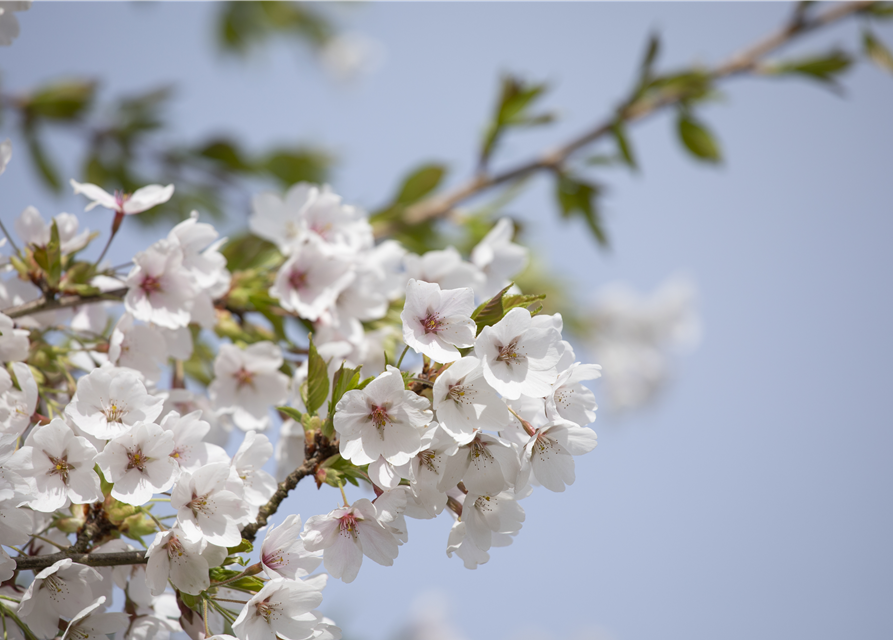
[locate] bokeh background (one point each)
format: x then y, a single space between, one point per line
752 498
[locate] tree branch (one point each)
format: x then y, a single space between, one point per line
316 452
745 61
63 302
89 559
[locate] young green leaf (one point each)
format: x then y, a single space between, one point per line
291 412
316 387
576 197
623 145
876 51
698 139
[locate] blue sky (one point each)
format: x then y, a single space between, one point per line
754 498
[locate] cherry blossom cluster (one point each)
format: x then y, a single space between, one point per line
120 390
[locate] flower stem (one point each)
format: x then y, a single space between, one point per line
400 361
205 617
6 611
250 571
527 426
343 495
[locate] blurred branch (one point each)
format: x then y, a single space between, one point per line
63 302
636 108
90 559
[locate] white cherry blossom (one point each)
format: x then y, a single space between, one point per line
90 624
172 556
258 486
61 466
138 347
159 288
139 463
485 515
348 533
125 203
109 401
33 229
548 454
570 400
13 342
248 383
282 609
436 321
498 258
444 267
486 465
206 509
519 355
465 402
60 591
384 419
283 554
190 450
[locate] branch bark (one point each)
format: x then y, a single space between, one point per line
747 60
90 559
62 302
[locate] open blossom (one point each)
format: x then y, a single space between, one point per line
60 465
138 347
464 402
13 342
206 509
159 289
258 486
485 515
283 554
190 450
90 624
125 203
172 556
486 465
33 229
201 254
519 354
282 609
60 591
569 399
548 454
248 382
444 267
384 419
348 533
311 279
498 258
109 401
436 321
17 405
139 463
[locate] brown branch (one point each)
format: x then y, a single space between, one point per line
316 452
747 60
89 559
62 302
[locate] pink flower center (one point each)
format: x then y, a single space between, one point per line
298 279
348 524
509 353
380 417
120 199
265 610
244 378
60 467
150 285
431 323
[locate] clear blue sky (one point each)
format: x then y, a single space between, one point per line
754 500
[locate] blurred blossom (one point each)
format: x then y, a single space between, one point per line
9 24
348 56
429 619
634 337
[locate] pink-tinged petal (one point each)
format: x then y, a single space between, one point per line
96 194
147 197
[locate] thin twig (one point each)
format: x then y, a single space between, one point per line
744 61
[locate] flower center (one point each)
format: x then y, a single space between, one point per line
244 378
114 413
150 285
60 467
431 323
174 547
509 353
265 610
136 460
428 457
380 418
483 503
298 279
348 525
460 394
199 504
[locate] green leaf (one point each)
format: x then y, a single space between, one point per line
420 183
243 547
824 68
316 387
880 10
42 162
54 256
291 166
646 71
226 153
343 381
576 197
65 100
490 312
623 145
512 110
876 51
698 139
291 412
